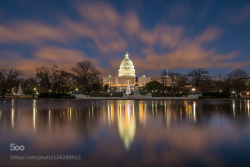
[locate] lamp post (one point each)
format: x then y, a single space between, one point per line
49 93
34 89
193 90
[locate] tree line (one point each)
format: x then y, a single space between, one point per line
85 77
199 80
51 79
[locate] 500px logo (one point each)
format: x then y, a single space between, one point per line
14 147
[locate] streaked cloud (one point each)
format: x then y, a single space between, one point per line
208 35
242 15
31 32
64 58
131 23
112 33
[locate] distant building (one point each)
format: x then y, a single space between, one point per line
165 80
126 74
247 82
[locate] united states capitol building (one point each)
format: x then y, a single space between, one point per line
126 76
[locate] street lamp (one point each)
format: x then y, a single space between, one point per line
49 93
34 89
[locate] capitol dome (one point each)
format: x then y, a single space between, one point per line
126 67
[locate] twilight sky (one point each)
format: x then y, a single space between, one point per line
159 34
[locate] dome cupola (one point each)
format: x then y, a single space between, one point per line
126 67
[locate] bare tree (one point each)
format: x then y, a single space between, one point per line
179 81
44 76
234 80
199 77
176 81
86 75
56 79
28 85
218 83
153 86
53 79
65 81
9 78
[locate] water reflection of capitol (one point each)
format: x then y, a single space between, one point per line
127 117
130 114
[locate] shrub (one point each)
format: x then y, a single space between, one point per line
217 94
53 95
110 94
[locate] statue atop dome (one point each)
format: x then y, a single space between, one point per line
126 55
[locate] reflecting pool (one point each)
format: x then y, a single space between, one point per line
125 132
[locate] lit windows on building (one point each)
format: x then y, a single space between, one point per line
126 74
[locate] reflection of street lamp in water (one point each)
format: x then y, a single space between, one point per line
194 111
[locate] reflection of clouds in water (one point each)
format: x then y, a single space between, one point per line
132 125
47 129
183 143
176 145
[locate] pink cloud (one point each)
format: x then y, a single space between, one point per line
55 54
131 23
208 35
163 35
107 39
112 34
64 58
99 13
187 53
31 32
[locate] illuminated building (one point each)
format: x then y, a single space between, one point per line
126 74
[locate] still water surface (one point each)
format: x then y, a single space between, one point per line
127 132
